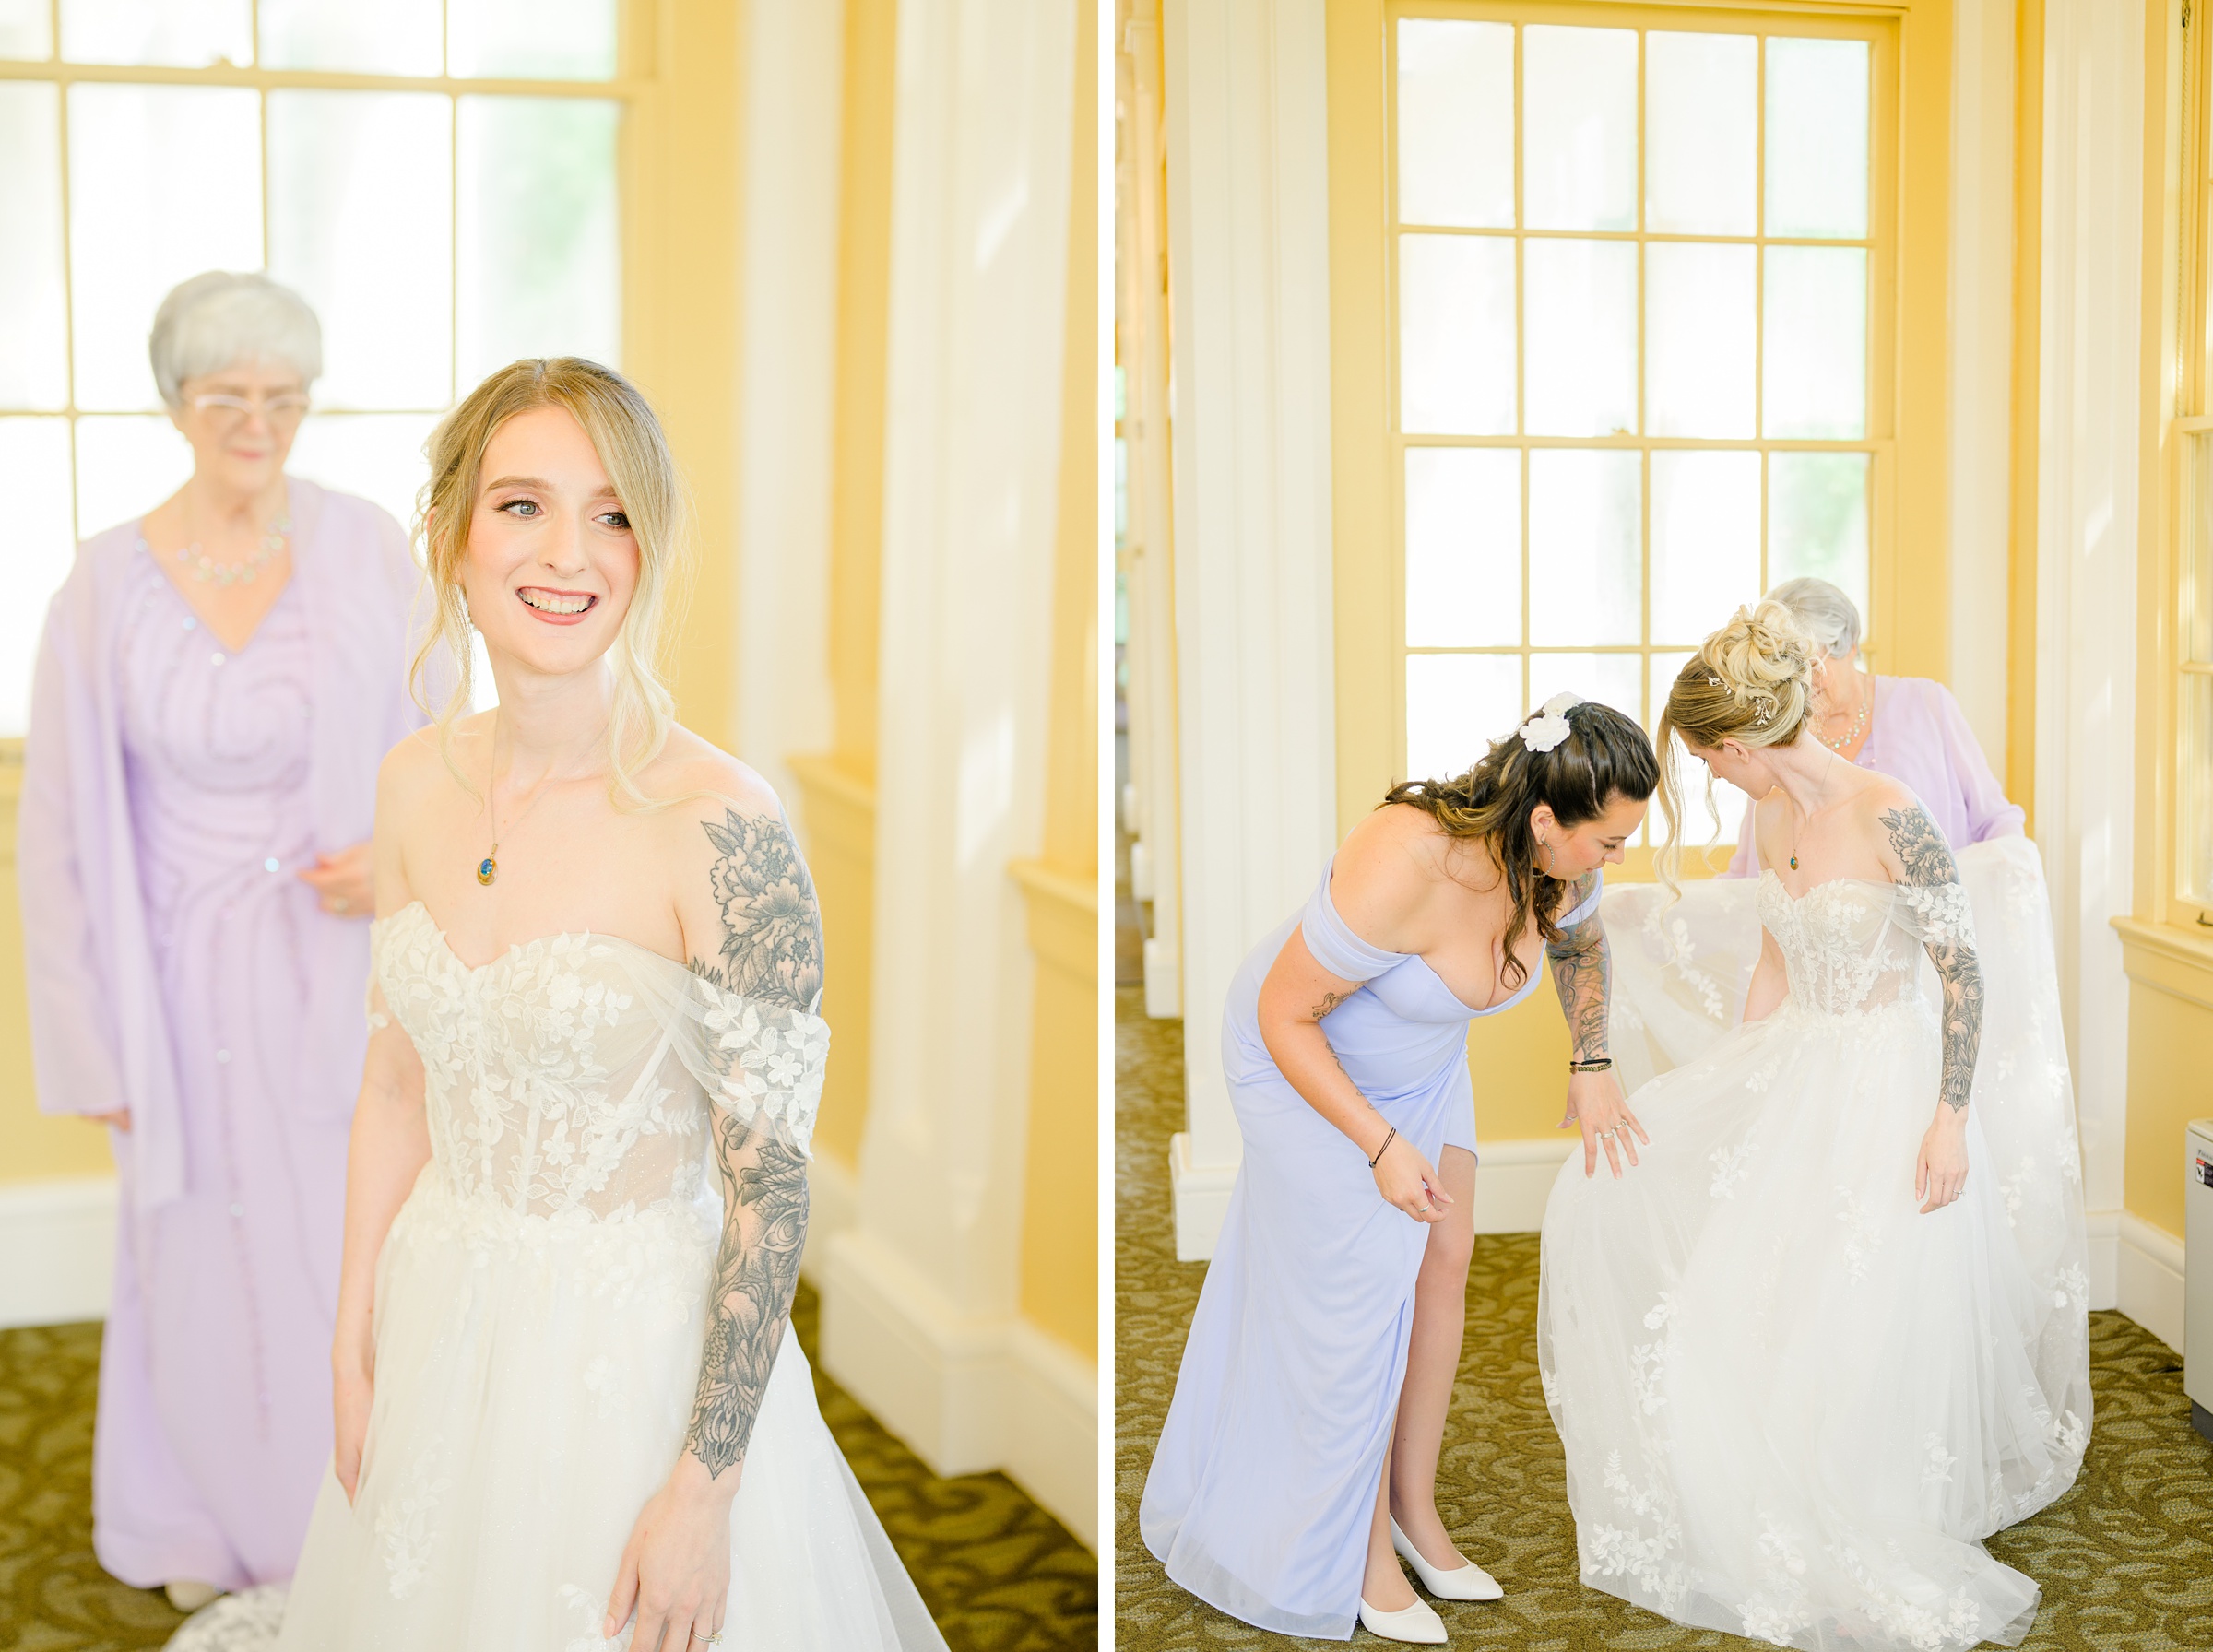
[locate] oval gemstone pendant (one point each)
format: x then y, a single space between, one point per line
488 868
482 873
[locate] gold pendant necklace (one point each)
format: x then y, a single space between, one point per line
1809 813
489 867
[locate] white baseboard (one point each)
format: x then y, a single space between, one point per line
1200 1199
965 1394
2150 1279
1513 1179
57 1250
832 1206
2103 1229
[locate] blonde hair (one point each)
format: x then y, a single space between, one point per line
627 437
1752 682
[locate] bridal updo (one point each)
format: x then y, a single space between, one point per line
1752 681
1605 755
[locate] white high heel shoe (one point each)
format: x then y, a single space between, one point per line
1417 1623
1470 1582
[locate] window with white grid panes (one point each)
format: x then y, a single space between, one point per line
1641 313
438 178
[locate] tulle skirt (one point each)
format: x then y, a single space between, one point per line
534 1382
1791 1403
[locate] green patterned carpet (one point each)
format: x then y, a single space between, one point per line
999 1573
2126 1559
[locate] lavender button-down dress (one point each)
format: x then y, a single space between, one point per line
179 968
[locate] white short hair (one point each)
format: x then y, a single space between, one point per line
218 319
1823 611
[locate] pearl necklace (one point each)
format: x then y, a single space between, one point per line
1859 724
225 575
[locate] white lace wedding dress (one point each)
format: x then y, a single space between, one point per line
1791 1404
541 1301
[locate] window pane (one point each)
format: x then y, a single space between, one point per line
2196 625
34 371
539 260
164 181
35 552
1705 541
1586 577
532 39
1463 548
125 466
1700 829
391 37
186 34
1817 520
359 222
1456 124
1699 355
376 456
1456 335
1701 126
1456 705
1815 374
1615 680
26 30
1579 139
1582 312
1817 137
2194 792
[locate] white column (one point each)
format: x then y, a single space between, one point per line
2087 521
919 1317
1982 351
793 76
1248 109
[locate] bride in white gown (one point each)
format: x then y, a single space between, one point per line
1801 1361
570 1411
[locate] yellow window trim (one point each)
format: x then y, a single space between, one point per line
1909 395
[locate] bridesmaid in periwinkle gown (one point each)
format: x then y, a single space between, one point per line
214 688
1334 1303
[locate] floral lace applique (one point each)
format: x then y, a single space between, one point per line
1945 916
1861 1234
404 1526
1937 1463
1644 1557
1730 1167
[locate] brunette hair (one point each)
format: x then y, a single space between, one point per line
627 436
1752 682
1605 756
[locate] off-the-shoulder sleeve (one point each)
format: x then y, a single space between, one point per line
1334 946
1936 914
763 1063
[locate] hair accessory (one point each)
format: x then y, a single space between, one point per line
1550 725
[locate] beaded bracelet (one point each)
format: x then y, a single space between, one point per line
1599 1066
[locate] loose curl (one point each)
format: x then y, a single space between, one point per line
1752 682
627 436
1605 756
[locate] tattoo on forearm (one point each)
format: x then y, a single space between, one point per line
771 953
771 930
756 1273
1583 974
1928 860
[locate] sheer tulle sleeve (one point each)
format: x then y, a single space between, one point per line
1936 914
763 1063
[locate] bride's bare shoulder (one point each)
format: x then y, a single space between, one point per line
422 762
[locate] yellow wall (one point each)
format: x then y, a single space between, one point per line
1060 1223
2169 1034
840 786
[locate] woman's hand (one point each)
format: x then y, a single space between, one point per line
118 1120
676 1567
345 883
1407 1183
353 1390
1940 1170
1594 1102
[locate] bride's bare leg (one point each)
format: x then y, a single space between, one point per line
1440 1308
1384 1587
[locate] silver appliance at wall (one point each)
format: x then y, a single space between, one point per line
2197 1275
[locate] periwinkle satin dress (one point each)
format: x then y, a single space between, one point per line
1263 1486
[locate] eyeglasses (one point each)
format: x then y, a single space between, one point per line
280 410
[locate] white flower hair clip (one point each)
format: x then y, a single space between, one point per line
1550 725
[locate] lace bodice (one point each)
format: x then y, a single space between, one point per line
572 1076
1851 946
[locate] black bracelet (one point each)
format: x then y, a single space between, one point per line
1599 1066
1380 1151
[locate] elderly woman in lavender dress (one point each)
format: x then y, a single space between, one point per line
215 687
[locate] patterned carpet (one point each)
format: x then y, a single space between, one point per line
2126 1559
999 1573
